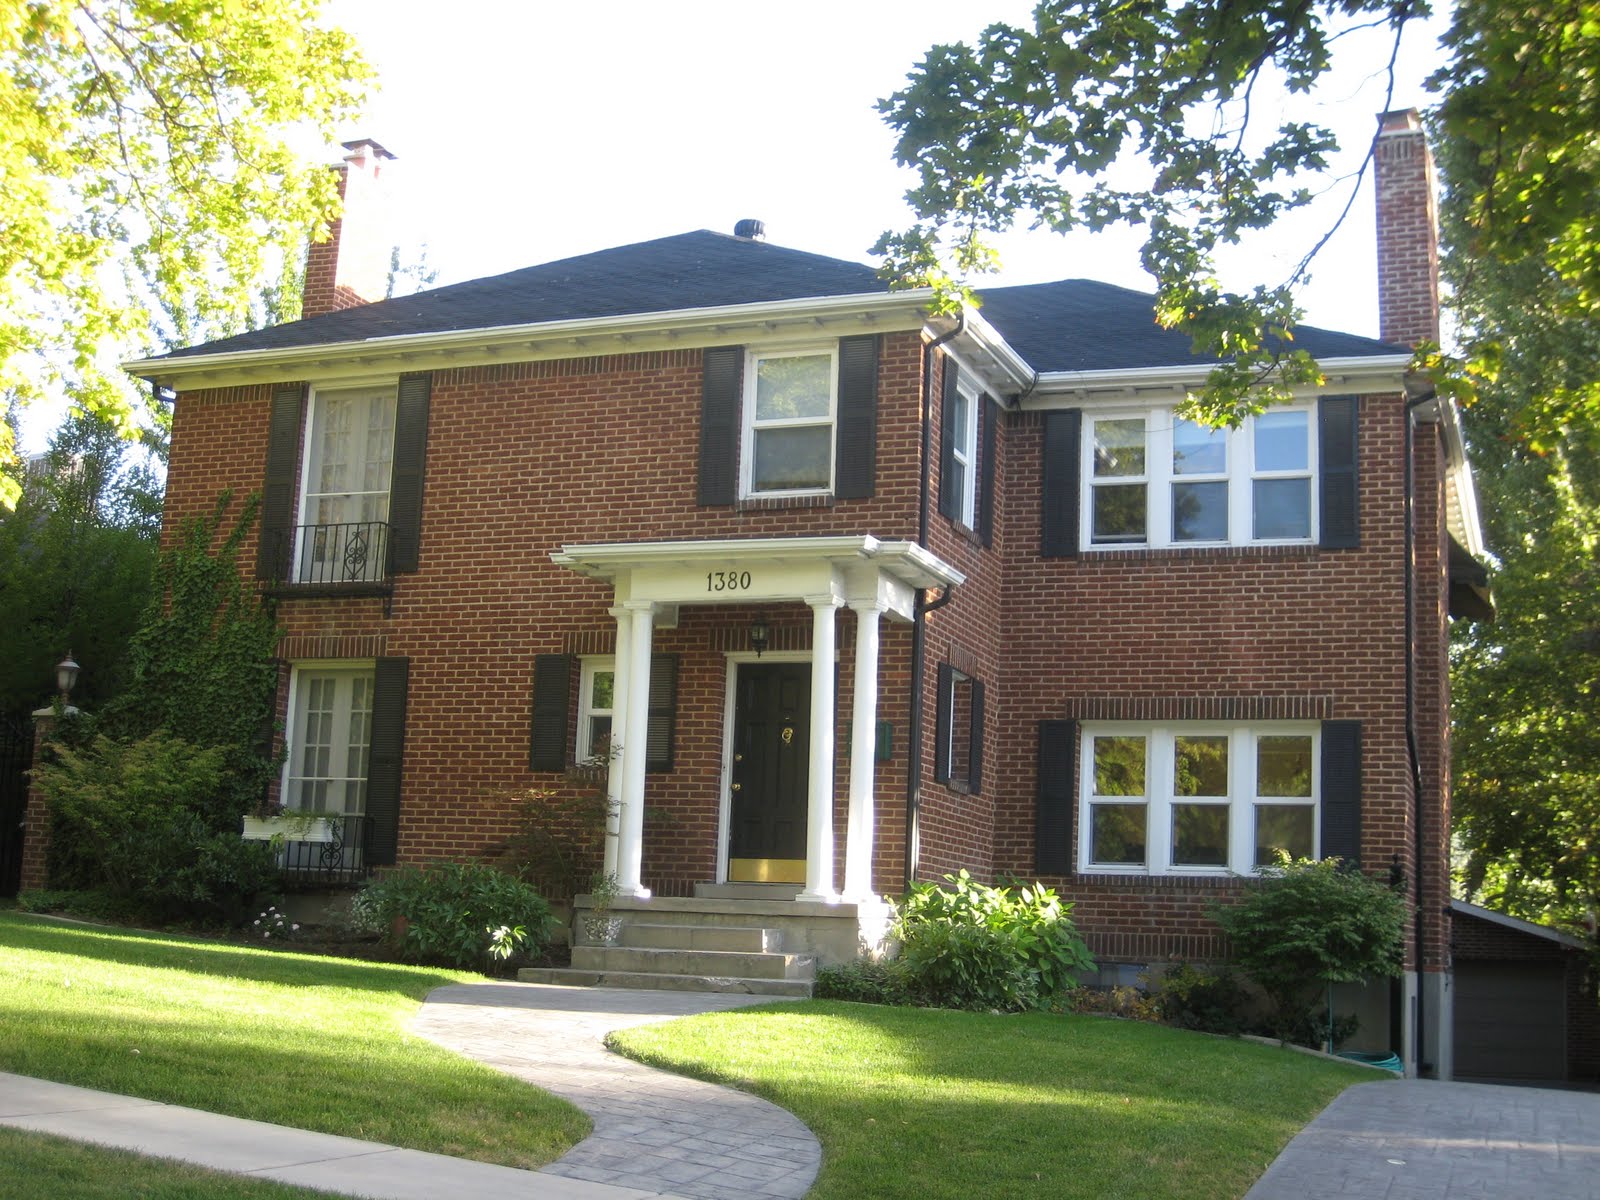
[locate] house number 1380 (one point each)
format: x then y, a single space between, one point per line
727 581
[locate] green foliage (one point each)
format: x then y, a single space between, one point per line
203 661
90 904
77 560
461 914
974 946
1101 113
559 841
1190 997
1306 924
139 819
147 155
867 981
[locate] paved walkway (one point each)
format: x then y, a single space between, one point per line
1422 1140
658 1133
655 1135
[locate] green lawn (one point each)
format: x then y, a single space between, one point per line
35 1166
924 1105
295 1039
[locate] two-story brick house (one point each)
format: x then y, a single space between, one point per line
857 595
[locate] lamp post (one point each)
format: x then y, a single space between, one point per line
66 678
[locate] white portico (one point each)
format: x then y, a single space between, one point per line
652 580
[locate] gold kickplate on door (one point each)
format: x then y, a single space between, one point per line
766 870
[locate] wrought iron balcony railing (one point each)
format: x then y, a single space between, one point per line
334 851
332 556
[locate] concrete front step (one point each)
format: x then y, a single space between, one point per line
574 977
651 936
747 891
716 963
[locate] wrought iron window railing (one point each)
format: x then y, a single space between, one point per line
337 853
341 555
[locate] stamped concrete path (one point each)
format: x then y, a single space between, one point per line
658 1133
1423 1140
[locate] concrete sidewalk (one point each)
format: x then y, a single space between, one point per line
1423 1140
314 1160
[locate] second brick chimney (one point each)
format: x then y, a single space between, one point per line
1408 240
352 266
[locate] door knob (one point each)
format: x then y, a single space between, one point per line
736 787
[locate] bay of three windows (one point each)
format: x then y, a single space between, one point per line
1155 479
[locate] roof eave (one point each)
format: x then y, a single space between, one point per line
1056 388
588 336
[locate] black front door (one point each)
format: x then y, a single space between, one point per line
771 757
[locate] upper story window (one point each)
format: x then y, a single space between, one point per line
1151 478
342 534
963 434
1197 799
789 421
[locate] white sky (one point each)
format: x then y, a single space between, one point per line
529 131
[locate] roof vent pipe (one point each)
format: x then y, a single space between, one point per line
755 231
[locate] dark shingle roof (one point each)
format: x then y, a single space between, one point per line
1070 325
691 270
1085 325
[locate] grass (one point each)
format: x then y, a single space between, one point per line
36 1166
312 1042
921 1104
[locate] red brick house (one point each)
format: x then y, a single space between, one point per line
859 595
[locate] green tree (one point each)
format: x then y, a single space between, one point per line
77 559
1526 686
1106 112
146 154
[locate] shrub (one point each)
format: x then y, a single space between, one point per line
970 945
1121 1001
867 981
462 914
1190 997
1305 925
560 837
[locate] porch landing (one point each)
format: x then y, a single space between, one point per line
724 939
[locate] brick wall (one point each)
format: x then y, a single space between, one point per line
1407 217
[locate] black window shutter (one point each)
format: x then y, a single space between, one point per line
410 456
1055 797
1063 432
949 501
1341 790
856 439
1339 476
552 702
975 751
661 732
941 736
990 416
276 546
719 424
389 683
267 733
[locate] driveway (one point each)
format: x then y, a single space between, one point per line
1422 1140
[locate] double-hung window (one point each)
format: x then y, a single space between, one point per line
595 708
330 737
344 507
1152 478
963 434
789 421
1197 799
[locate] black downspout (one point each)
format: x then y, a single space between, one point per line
920 609
1413 754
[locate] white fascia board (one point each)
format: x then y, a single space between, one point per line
1062 389
546 339
1470 533
980 348
603 560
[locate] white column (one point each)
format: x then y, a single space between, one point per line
619 713
630 824
819 812
863 754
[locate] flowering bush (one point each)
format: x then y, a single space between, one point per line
273 924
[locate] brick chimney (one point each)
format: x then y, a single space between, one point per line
352 266
1408 238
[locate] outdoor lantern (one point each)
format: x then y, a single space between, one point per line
66 676
760 634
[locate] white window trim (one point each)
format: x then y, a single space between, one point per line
588 668
959 733
308 449
1159 478
1160 770
291 724
967 502
748 425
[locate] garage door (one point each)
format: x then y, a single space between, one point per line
1511 1020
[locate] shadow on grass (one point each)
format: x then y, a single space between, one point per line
177 952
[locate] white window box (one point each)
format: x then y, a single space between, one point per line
292 827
